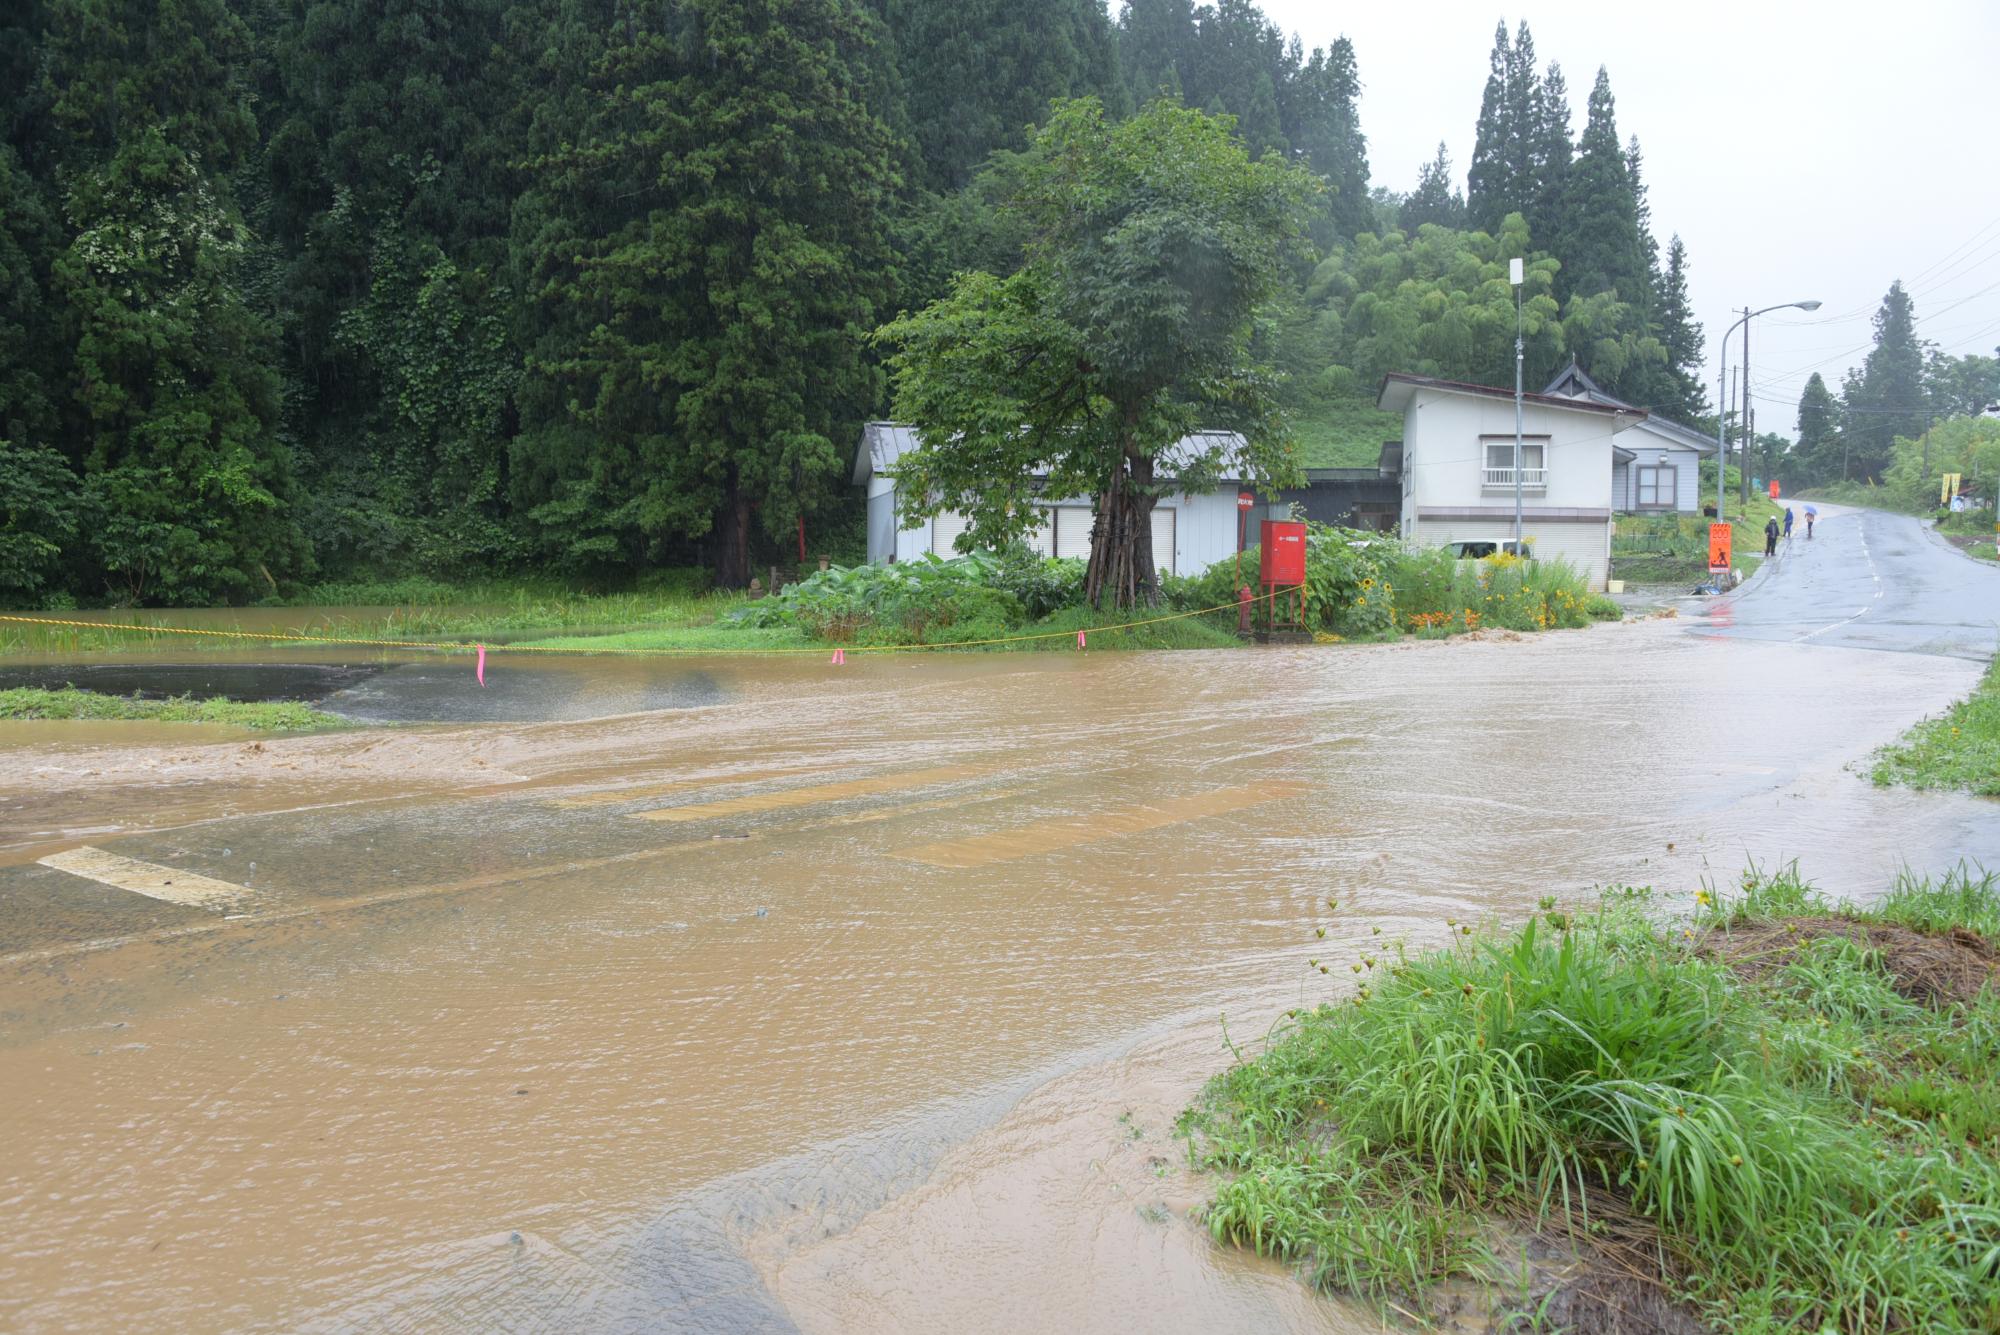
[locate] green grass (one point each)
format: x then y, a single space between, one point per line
1813 1150
497 611
1959 749
1343 432
267 716
1673 548
1055 632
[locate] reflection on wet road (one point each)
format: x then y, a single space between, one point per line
844 1043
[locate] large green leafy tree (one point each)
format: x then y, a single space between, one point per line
172 406
1156 244
1884 397
1966 385
709 255
1437 303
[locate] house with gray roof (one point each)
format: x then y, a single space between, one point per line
1657 465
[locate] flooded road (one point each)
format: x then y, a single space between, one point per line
849 1000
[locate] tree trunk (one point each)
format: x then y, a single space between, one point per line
1121 539
732 557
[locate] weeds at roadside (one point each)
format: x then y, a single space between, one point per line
1763 1099
1959 749
264 716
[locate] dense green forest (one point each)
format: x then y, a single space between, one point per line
293 290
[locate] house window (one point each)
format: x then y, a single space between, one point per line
1500 463
1656 487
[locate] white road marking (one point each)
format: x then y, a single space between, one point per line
150 879
1861 528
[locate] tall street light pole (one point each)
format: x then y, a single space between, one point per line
1722 403
1515 276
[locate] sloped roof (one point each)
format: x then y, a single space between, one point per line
1575 382
1398 386
883 443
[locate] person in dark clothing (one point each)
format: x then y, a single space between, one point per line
1788 523
1771 536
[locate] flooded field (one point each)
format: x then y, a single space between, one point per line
756 1014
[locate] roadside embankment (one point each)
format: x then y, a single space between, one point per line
1771 1110
1958 749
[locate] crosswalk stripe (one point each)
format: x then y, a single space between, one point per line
150 879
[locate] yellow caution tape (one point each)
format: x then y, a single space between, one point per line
468 646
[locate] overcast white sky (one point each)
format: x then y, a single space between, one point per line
1801 150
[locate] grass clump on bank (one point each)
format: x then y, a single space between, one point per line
1959 749
263 716
1752 1112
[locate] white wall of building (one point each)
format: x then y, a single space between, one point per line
1190 532
1447 497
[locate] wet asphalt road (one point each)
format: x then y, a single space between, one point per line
605 1040
1867 580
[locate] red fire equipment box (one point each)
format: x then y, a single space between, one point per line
1284 553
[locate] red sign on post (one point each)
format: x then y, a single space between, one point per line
1718 548
1244 500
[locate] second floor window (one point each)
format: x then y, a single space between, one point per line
1500 463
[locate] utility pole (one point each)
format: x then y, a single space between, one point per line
1514 272
1721 440
1749 439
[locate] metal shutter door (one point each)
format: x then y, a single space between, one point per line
1043 540
1163 539
1073 531
944 532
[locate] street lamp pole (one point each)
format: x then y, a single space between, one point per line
1515 276
1722 403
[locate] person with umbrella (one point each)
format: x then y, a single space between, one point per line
1812 513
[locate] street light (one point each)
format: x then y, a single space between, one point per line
1516 276
1722 404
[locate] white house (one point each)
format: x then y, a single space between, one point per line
1458 468
1191 531
1657 464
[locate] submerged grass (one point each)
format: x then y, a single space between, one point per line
1959 749
1810 1148
1114 630
265 716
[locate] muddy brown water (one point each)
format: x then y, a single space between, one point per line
861 1000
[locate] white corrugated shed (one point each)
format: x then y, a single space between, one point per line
1190 532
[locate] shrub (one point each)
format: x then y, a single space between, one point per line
1043 584
910 602
1345 592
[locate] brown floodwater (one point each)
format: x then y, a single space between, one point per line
857 999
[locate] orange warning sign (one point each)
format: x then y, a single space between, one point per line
1718 547
1774 489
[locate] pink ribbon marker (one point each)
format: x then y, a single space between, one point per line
839 657
1080 641
480 670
